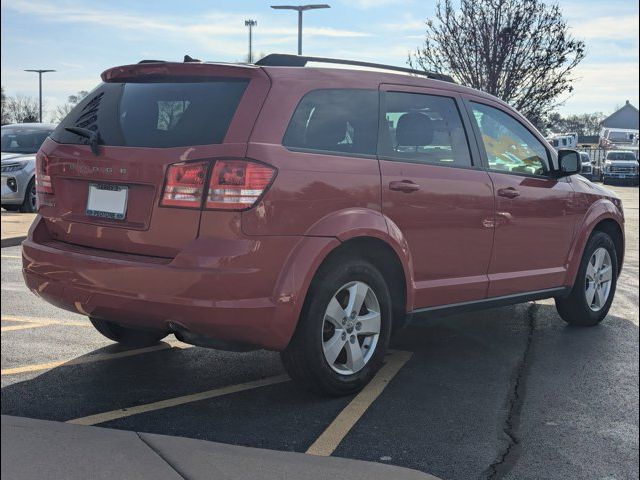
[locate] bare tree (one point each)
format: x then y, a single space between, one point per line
63 110
21 109
582 123
518 50
5 114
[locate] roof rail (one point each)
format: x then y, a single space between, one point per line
287 60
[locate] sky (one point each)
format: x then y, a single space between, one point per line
80 39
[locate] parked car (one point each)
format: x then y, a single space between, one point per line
20 142
587 166
311 211
620 166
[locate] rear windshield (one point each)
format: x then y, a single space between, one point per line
156 114
23 139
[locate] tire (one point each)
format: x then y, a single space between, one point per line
127 336
29 203
11 208
576 308
305 359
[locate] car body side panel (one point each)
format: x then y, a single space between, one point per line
598 206
308 187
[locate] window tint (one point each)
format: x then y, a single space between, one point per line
423 128
157 114
340 120
509 145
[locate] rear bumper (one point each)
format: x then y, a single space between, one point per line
233 295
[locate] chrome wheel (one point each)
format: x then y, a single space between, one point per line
351 328
597 285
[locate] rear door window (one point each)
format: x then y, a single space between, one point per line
343 121
423 128
157 114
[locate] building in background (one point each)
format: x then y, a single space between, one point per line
625 118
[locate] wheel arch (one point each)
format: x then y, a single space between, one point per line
602 216
369 239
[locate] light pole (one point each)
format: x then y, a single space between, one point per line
300 9
40 72
250 23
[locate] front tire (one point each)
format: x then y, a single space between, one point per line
595 286
343 333
131 337
29 205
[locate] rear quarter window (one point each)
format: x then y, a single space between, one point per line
342 121
157 114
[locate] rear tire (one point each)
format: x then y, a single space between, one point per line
591 296
11 208
130 337
335 350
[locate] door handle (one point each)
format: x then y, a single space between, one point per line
509 192
406 186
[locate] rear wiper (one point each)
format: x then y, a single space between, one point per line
93 135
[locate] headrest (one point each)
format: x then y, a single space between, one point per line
414 129
327 127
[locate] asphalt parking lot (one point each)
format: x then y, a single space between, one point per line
505 393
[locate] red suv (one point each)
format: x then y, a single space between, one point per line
311 211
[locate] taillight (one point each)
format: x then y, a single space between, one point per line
43 175
237 184
184 185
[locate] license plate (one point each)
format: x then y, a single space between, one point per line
620 175
107 201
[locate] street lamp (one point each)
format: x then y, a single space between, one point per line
40 72
300 9
250 23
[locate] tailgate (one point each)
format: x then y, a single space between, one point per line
146 122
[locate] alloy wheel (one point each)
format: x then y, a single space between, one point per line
599 275
351 328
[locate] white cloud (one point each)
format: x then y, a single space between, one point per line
367 4
608 28
212 23
602 86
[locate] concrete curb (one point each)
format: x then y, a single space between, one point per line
12 241
33 449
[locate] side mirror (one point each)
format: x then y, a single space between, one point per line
568 163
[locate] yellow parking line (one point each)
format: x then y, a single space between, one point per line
11 328
173 402
329 440
41 322
98 357
11 256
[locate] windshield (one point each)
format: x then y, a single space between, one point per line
23 139
621 156
620 136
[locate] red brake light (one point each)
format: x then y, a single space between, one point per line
184 185
43 177
237 184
